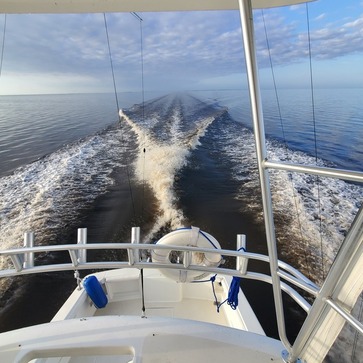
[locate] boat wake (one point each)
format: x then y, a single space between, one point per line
49 195
312 214
166 136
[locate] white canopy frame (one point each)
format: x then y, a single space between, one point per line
101 6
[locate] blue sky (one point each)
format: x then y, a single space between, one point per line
182 51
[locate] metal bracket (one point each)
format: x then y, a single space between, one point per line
285 357
79 280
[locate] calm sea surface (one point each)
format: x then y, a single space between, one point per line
36 125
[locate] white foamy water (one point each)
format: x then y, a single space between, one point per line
300 202
47 195
158 162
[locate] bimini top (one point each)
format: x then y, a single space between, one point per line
100 6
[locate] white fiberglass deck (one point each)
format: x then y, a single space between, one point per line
163 297
181 324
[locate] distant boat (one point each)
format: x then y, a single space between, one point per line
175 301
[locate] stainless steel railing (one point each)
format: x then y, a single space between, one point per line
22 261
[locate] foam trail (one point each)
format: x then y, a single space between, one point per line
295 199
47 196
162 160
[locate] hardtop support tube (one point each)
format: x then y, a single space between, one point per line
245 9
326 172
342 286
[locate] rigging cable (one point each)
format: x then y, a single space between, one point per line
3 46
144 150
118 109
143 146
315 140
285 145
142 63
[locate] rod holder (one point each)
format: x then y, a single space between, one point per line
82 240
29 256
241 262
135 238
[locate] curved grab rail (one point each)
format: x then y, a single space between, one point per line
17 256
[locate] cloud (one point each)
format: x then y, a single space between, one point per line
288 45
181 50
44 83
320 17
331 43
49 42
197 41
297 7
72 45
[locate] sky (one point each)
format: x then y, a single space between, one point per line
181 51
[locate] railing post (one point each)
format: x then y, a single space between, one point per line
82 240
29 256
241 262
135 239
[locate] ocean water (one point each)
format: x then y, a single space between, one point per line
178 159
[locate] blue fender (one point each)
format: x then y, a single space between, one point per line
95 291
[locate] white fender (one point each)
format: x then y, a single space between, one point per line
192 237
